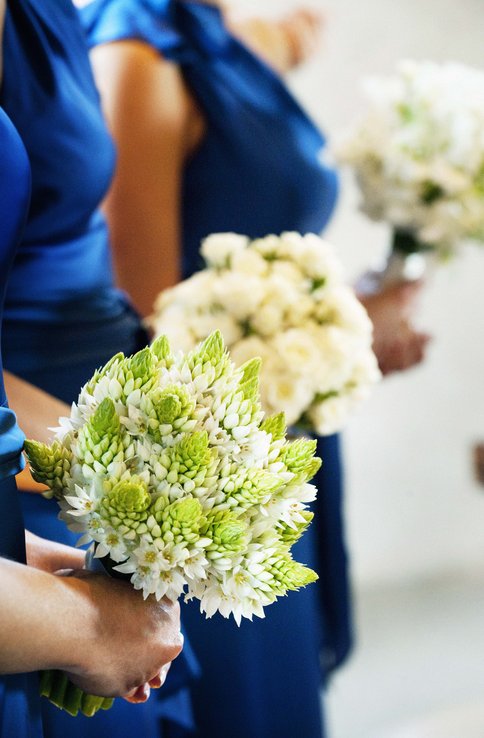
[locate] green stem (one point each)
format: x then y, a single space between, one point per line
66 696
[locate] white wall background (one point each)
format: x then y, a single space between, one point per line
414 511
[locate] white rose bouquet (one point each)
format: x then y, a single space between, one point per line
418 155
168 465
281 298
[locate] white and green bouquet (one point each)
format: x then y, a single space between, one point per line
282 298
169 467
418 155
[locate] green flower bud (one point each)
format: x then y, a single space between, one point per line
126 507
181 520
288 574
168 408
289 535
161 349
130 495
100 440
250 487
211 351
275 425
142 365
49 465
250 379
104 371
173 406
193 456
105 420
228 534
298 456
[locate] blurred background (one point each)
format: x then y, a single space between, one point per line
415 510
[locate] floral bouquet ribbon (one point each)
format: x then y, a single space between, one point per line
169 467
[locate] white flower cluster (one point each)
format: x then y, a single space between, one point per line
167 464
283 299
418 153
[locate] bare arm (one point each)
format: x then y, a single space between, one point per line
98 630
36 412
154 122
50 556
284 43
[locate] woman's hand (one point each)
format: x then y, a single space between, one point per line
98 630
52 557
283 44
302 29
397 344
134 640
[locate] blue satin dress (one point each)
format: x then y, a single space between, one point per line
258 170
19 693
63 316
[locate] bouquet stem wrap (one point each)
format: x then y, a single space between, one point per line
408 261
56 686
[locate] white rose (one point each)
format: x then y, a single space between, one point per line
268 319
180 336
281 293
204 324
285 392
219 248
287 271
318 260
301 311
330 416
268 247
333 367
250 262
365 370
341 307
249 347
240 295
298 350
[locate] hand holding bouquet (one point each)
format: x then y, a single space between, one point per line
281 298
168 465
418 155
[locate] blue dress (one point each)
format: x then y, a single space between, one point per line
258 170
63 315
19 693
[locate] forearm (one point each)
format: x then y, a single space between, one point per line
50 556
36 410
45 621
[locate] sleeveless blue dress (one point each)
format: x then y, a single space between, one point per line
63 316
258 170
19 693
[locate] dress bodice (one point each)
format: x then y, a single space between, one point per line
258 169
63 263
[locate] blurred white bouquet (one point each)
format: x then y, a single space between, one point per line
168 465
418 155
283 299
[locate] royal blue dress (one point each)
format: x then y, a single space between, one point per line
63 315
19 693
258 170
